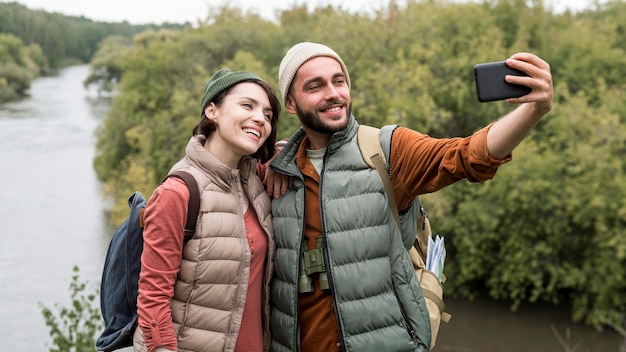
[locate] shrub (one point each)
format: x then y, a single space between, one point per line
74 328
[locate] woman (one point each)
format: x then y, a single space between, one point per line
211 294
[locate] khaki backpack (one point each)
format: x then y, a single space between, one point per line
372 152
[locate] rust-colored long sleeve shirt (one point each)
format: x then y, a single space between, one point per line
420 164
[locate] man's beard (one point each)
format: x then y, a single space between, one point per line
311 121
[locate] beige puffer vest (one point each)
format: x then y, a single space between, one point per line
211 288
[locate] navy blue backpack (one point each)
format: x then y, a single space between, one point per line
120 277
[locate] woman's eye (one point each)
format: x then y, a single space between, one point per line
247 105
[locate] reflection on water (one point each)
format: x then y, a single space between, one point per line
484 325
51 218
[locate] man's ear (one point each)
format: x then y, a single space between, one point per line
290 105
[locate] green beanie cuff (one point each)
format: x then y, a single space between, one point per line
222 80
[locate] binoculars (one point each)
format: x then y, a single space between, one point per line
312 261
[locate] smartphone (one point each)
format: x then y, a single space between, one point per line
490 83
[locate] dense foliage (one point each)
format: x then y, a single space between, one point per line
19 65
34 42
64 38
549 227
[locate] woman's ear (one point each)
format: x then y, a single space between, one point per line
211 111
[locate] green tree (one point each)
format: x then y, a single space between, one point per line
73 328
17 67
105 66
64 39
548 226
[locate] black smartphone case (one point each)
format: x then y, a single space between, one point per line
490 83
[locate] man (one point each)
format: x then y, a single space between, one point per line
343 280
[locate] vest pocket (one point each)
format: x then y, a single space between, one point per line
407 325
183 323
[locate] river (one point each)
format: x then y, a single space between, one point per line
52 218
51 213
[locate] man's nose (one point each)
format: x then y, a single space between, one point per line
330 91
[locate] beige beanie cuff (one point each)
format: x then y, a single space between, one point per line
298 55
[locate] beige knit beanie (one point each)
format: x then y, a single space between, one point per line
299 54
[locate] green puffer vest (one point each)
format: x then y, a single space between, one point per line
378 301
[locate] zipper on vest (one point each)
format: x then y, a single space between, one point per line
329 274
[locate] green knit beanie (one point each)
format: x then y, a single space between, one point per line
222 80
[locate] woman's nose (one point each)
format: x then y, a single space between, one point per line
259 117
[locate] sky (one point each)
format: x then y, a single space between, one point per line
180 11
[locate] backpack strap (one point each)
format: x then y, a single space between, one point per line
369 144
194 201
